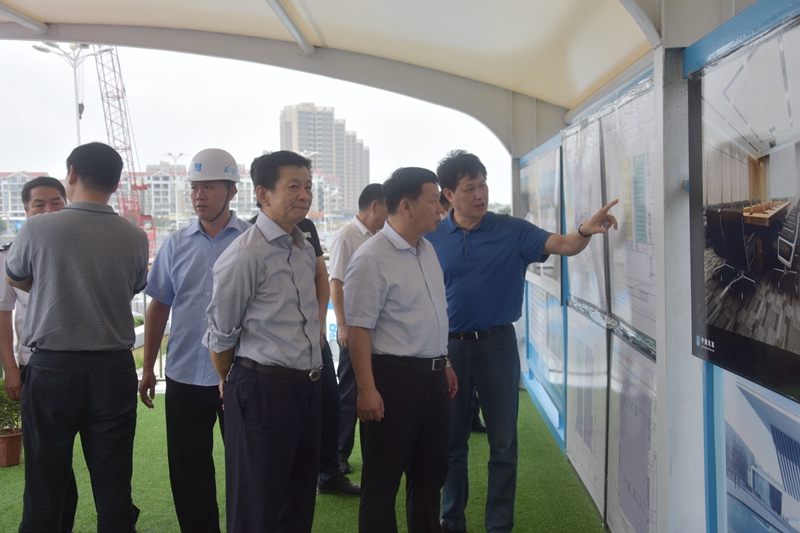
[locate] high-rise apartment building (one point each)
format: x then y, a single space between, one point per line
335 152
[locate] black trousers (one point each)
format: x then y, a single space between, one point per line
191 412
413 438
329 446
70 506
91 393
272 440
348 393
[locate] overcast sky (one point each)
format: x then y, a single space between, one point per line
185 103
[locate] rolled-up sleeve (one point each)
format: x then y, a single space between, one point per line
365 289
236 277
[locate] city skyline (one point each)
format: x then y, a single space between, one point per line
183 103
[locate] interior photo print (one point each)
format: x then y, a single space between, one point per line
749 322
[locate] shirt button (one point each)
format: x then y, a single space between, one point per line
208 294
205 320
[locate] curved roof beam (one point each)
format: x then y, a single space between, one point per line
24 20
517 120
645 22
291 25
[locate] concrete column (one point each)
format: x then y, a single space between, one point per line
681 463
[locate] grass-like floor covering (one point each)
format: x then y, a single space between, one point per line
549 496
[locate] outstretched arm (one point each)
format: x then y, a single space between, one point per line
575 242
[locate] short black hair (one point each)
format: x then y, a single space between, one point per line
371 193
406 183
41 181
265 169
456 165
97 165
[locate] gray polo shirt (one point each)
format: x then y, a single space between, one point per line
87 262
397 292
264 301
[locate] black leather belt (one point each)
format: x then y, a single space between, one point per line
279 371
426 363
481 334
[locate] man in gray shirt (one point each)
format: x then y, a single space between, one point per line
81 266
263 333
395 306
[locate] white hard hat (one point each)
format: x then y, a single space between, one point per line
213 164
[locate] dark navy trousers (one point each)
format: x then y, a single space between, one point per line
329 446
272 441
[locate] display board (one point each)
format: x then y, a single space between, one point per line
583 197
628 154
632 456
745 175
761 461
540 197
546 343
587 391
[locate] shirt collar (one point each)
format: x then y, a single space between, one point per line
364 230
399 242
195 226
451 226
92 206
272 231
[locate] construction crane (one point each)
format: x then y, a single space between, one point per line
115 109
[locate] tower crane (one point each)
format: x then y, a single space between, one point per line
115 110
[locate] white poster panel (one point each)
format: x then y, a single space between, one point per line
587 390
629 152
583 197
540 186
632 463
546 335
762 459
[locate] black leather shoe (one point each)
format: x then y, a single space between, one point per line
478 426
446 529
339 484
344 466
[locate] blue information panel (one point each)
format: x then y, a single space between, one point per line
546 344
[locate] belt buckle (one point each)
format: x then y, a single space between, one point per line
469 336
434 362
315 374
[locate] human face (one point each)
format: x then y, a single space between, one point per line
378 216
426 211
44 200
471 198
288 204
209 198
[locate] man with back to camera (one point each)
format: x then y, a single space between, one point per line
39 195
263 332
370 219
181 281
484 257
397 314
81 266
329 480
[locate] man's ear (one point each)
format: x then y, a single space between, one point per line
262 195
72 176
449 195
232 192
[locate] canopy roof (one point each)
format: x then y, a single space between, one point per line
556 51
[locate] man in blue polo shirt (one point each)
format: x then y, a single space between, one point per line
181 281
484 257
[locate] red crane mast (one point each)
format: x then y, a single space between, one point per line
115 110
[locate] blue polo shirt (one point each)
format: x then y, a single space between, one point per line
182 277
484 268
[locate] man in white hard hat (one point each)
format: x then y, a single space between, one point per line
181 280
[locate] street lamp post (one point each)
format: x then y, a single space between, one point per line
74 59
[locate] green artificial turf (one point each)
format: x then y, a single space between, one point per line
550 498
